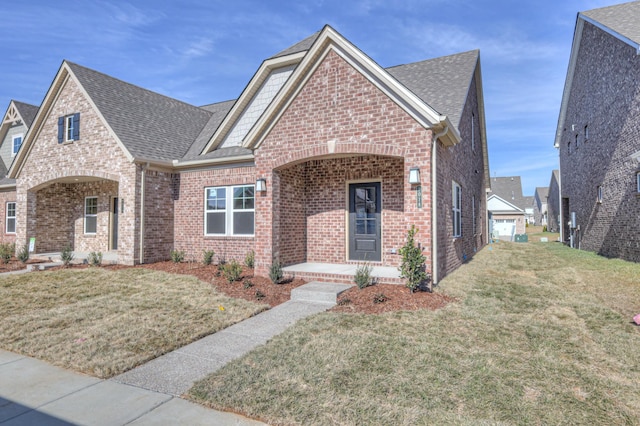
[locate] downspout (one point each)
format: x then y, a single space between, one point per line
434 209
142 179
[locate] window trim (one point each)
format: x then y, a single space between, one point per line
13 144
456 208
229 211
638 182
599 194
86 215
7 218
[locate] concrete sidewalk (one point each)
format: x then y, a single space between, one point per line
33 392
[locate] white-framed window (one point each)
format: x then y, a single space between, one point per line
17 142
90 215
599 192
457 209
229 210
69 128
10 226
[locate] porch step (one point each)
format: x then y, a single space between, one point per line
319 292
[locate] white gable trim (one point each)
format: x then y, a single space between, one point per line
59 82
330 40
513 207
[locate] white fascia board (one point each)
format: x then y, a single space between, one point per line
248 158
247 95
328 41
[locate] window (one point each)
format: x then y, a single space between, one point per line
229 210
599 193
473 214
90 215
17 141
569 148
473 131
577 141
638 182
69 128
586 132
457 210
11 218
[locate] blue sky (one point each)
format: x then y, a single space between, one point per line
205 51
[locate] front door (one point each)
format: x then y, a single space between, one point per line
114 224
364 222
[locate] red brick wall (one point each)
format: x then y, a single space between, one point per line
189 213
340 113
158 213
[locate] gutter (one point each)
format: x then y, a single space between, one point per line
227 160
142 179
434 209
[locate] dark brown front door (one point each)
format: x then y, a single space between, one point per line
364 222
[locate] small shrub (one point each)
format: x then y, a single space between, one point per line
363 276
177 256
207 257
544 228
250 259
95 258
232 271
248 284
23 254
6 251
412 267
275 272
259 295
66 255
380 298
344 302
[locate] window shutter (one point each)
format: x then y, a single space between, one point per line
76 126
60 129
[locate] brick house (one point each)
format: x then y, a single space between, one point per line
540 205
553 202
325 157
15 124
598 133
507 206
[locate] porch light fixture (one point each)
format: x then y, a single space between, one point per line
261 185
414 176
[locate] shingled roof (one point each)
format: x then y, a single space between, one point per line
301 46
442 83
621 18
27 112
150 125
509 189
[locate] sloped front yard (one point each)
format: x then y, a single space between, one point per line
538 334
103 322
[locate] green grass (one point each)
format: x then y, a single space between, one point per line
541 334
103 322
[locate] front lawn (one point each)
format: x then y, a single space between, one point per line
103 322
539 334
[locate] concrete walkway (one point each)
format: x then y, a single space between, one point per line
33 392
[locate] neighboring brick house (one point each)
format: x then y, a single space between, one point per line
528 210
506 206
16 122
540 205
598 134
325 157
553 203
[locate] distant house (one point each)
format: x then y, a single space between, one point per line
506 206
528 210
540 205
15 124
325 157
598 133
553 203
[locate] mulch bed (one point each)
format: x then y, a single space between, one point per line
375 299
15 265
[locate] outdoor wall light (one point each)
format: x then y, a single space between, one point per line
261 185
414 176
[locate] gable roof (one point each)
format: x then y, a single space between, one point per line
619 21
542 192
509 189
441 82
27 112
497 204
301 46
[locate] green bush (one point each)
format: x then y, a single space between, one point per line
275 272
232 271
363 276
412 267
177 256
95 258
380 298
250 259
66 255
23 254
7 251
207 257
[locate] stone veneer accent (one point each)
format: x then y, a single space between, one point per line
604 96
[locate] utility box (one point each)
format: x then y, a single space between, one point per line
522 238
